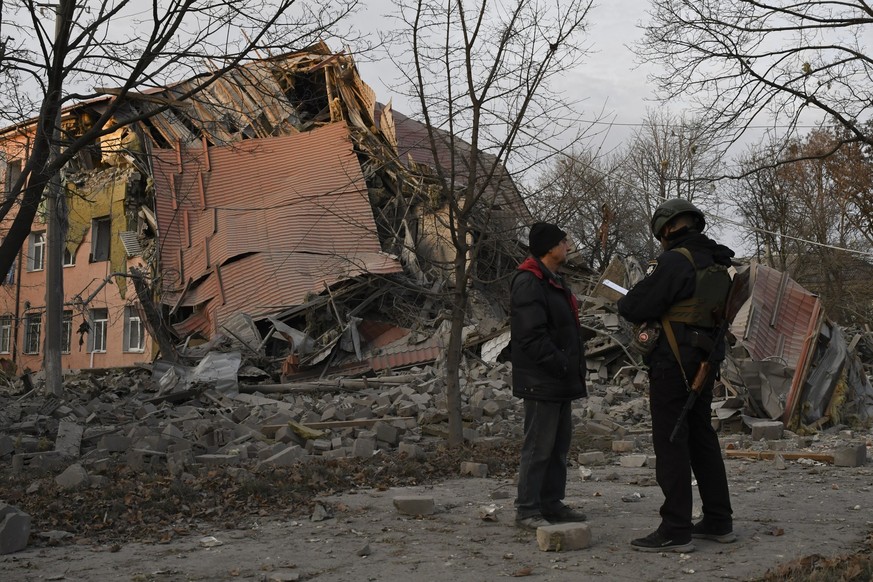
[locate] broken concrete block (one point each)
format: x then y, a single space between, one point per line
142 459
69 439
74 477
114 443
852 456
622 446
474 469
14 529
364 447
414 505
591 458
770 430
563 537
411 450
633 461
386 433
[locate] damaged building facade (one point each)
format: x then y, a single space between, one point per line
102 321
281 209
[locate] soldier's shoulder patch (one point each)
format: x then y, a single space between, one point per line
651 267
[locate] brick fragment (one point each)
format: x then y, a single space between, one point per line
414 505
634 461
563 537
474 469
622 446
591 458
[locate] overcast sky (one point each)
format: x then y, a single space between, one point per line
607 82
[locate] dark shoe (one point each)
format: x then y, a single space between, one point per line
565 515
531 522
700 531
656 542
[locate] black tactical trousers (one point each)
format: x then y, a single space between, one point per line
542 476
696 448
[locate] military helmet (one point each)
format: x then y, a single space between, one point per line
670 209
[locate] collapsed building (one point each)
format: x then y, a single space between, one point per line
286 217
280 209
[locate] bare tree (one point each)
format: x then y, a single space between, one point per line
480 73
108 49
808 216
738 60
591 196
671 157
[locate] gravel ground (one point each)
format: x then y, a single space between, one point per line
782 512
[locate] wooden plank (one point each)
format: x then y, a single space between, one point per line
764 455
269 430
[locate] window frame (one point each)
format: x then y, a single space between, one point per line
99 315
101 251
37 241
71 262
131 315
5 334
32 321
67 332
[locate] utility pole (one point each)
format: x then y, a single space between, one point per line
57 221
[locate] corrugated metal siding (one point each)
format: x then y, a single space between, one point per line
283 217
778 322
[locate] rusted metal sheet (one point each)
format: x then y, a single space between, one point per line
779 318
781 321
284 216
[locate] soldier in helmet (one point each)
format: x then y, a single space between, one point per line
685 290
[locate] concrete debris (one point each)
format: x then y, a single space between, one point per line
14 529
414 505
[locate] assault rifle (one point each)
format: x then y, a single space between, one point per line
736 297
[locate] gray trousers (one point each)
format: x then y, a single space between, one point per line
542 476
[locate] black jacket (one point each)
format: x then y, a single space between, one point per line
671 278
548 357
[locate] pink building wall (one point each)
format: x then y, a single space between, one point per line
23 292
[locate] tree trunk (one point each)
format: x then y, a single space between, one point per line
456 347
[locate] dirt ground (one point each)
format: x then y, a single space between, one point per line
781 513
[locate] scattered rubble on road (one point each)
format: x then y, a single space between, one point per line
229 412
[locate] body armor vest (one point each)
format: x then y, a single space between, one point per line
706 307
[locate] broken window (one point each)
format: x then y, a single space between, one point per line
67 332
100 235
134 334
36 256
5 334
13 172
99 327
32 330
10 275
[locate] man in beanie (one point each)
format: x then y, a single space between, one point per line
548 373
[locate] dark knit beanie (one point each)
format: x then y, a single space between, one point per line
544 236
